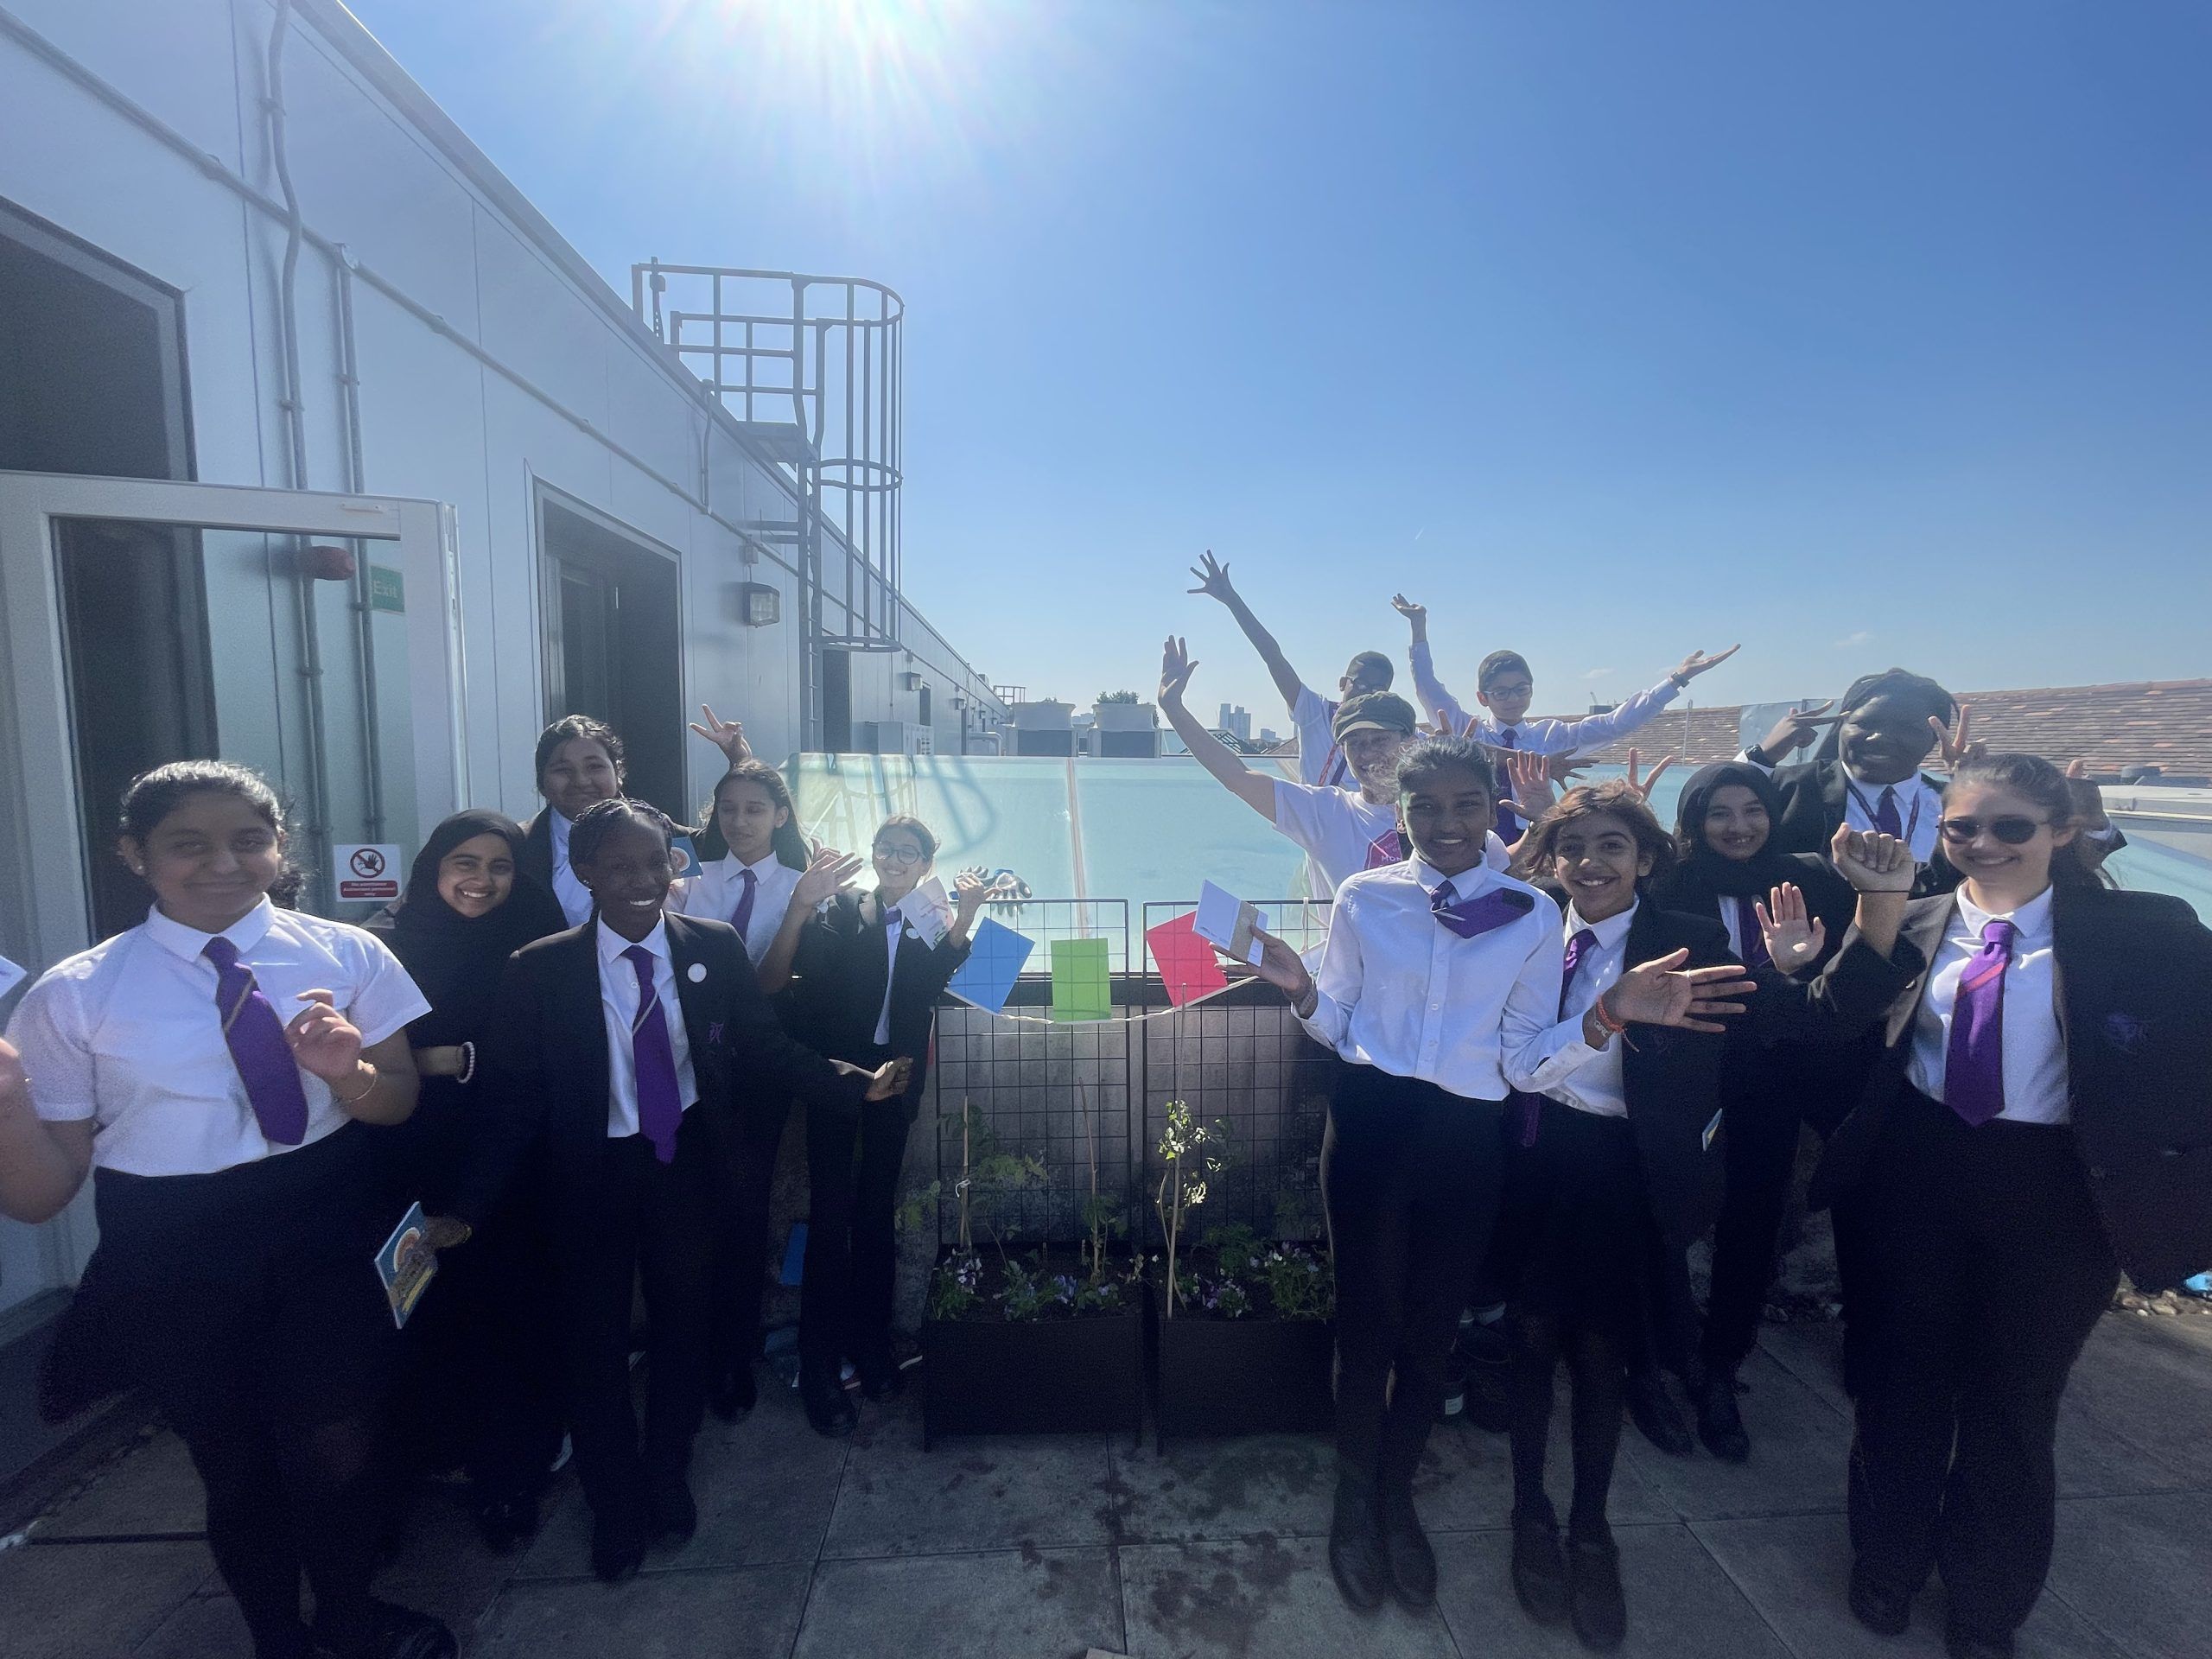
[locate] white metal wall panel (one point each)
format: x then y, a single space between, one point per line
177 61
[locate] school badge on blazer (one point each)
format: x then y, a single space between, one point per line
2126 1032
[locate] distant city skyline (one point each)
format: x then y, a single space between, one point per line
1860 336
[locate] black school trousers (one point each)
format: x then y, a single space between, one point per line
742 1249
1410 1175
853 1161
640 1221
1991 1269
247 1303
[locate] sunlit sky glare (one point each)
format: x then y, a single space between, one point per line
1862 333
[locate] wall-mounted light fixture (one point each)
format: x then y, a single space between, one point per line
760 605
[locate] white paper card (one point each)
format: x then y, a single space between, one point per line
929 910
1227 921
11 975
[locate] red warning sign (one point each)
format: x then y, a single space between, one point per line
366 872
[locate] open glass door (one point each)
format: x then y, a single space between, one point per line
316 637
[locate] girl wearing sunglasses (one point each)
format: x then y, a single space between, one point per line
2040 1118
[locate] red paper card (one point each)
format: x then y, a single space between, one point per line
1188 968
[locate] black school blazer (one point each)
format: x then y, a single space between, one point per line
536 858
837 989
1671 1078
2132 972
544 1059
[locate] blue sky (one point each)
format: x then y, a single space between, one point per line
1864 333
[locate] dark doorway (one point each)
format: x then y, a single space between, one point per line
836 702
614 647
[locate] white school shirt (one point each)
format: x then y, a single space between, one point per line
128 1034
2033 1049
1400 992
574 897
1319 759
617 1008
1343 833
1536 737
894 923
1919 804
715 890
1559 1063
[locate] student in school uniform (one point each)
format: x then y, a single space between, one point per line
611 1055
757 872
1437 970
1321 757
867 986
476 1391
214 1071
578 763
1505 688
2040 1118
1866 771
1727 865
1343 831
1613 1171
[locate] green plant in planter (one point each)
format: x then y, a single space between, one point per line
1103 1218
955 1287
1236 1248
1190 1152
986 1174
1297 1213
1300 1283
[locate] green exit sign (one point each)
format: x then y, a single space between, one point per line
387 589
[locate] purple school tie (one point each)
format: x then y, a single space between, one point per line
1885 813
741 918
660 1110
1509 821
1974 1068
255 1037
1578 947
1472 917
1756 954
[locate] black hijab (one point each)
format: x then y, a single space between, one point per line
455 960
1704 874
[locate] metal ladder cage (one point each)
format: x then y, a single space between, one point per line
830 350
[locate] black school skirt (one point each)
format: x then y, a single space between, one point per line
1577 1239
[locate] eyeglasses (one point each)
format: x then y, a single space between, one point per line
2012 832
900 854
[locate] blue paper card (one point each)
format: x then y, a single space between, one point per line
683 857
995 962
406 1265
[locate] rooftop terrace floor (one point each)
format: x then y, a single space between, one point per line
1041 1549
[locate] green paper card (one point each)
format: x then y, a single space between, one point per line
1082 984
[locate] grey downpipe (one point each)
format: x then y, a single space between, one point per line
349 378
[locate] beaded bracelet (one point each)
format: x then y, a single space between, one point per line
468 1063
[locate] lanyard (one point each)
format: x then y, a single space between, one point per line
1919 796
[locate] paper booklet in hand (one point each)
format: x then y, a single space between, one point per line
929 910
1224 919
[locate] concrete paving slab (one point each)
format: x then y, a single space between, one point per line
749 1612
1680 1601
151 1489
1799 1453
975 1492
2136 1568
1811 1351
1262 1598
1028 1603
1465 1482
1201 1489
2144 1389
206 1627
1795 1571
66 1601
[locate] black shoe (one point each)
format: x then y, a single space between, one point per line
880 1377
828 1409
1594 1576
618 1546
670 1515
1719 1425
733 1396
397 1632
1962 1643
1539 1568
1653 1410
1406 1551
507 1523
1356 1546
1881 1607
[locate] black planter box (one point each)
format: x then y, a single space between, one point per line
1243 1376
1078 1375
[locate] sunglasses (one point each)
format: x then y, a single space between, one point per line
2013 832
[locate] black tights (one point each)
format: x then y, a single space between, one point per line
279 1506
1596 1369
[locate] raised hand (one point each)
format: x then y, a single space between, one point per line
1213 579
1640 784
727 735
1416 615
1662 992
888 1080
323 1041
1795 731
1795 937
1697 662
1956 742
1529 774
1566 769
1871 861
1175 666
972 890
828 873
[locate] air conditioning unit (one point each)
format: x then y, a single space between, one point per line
892 737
